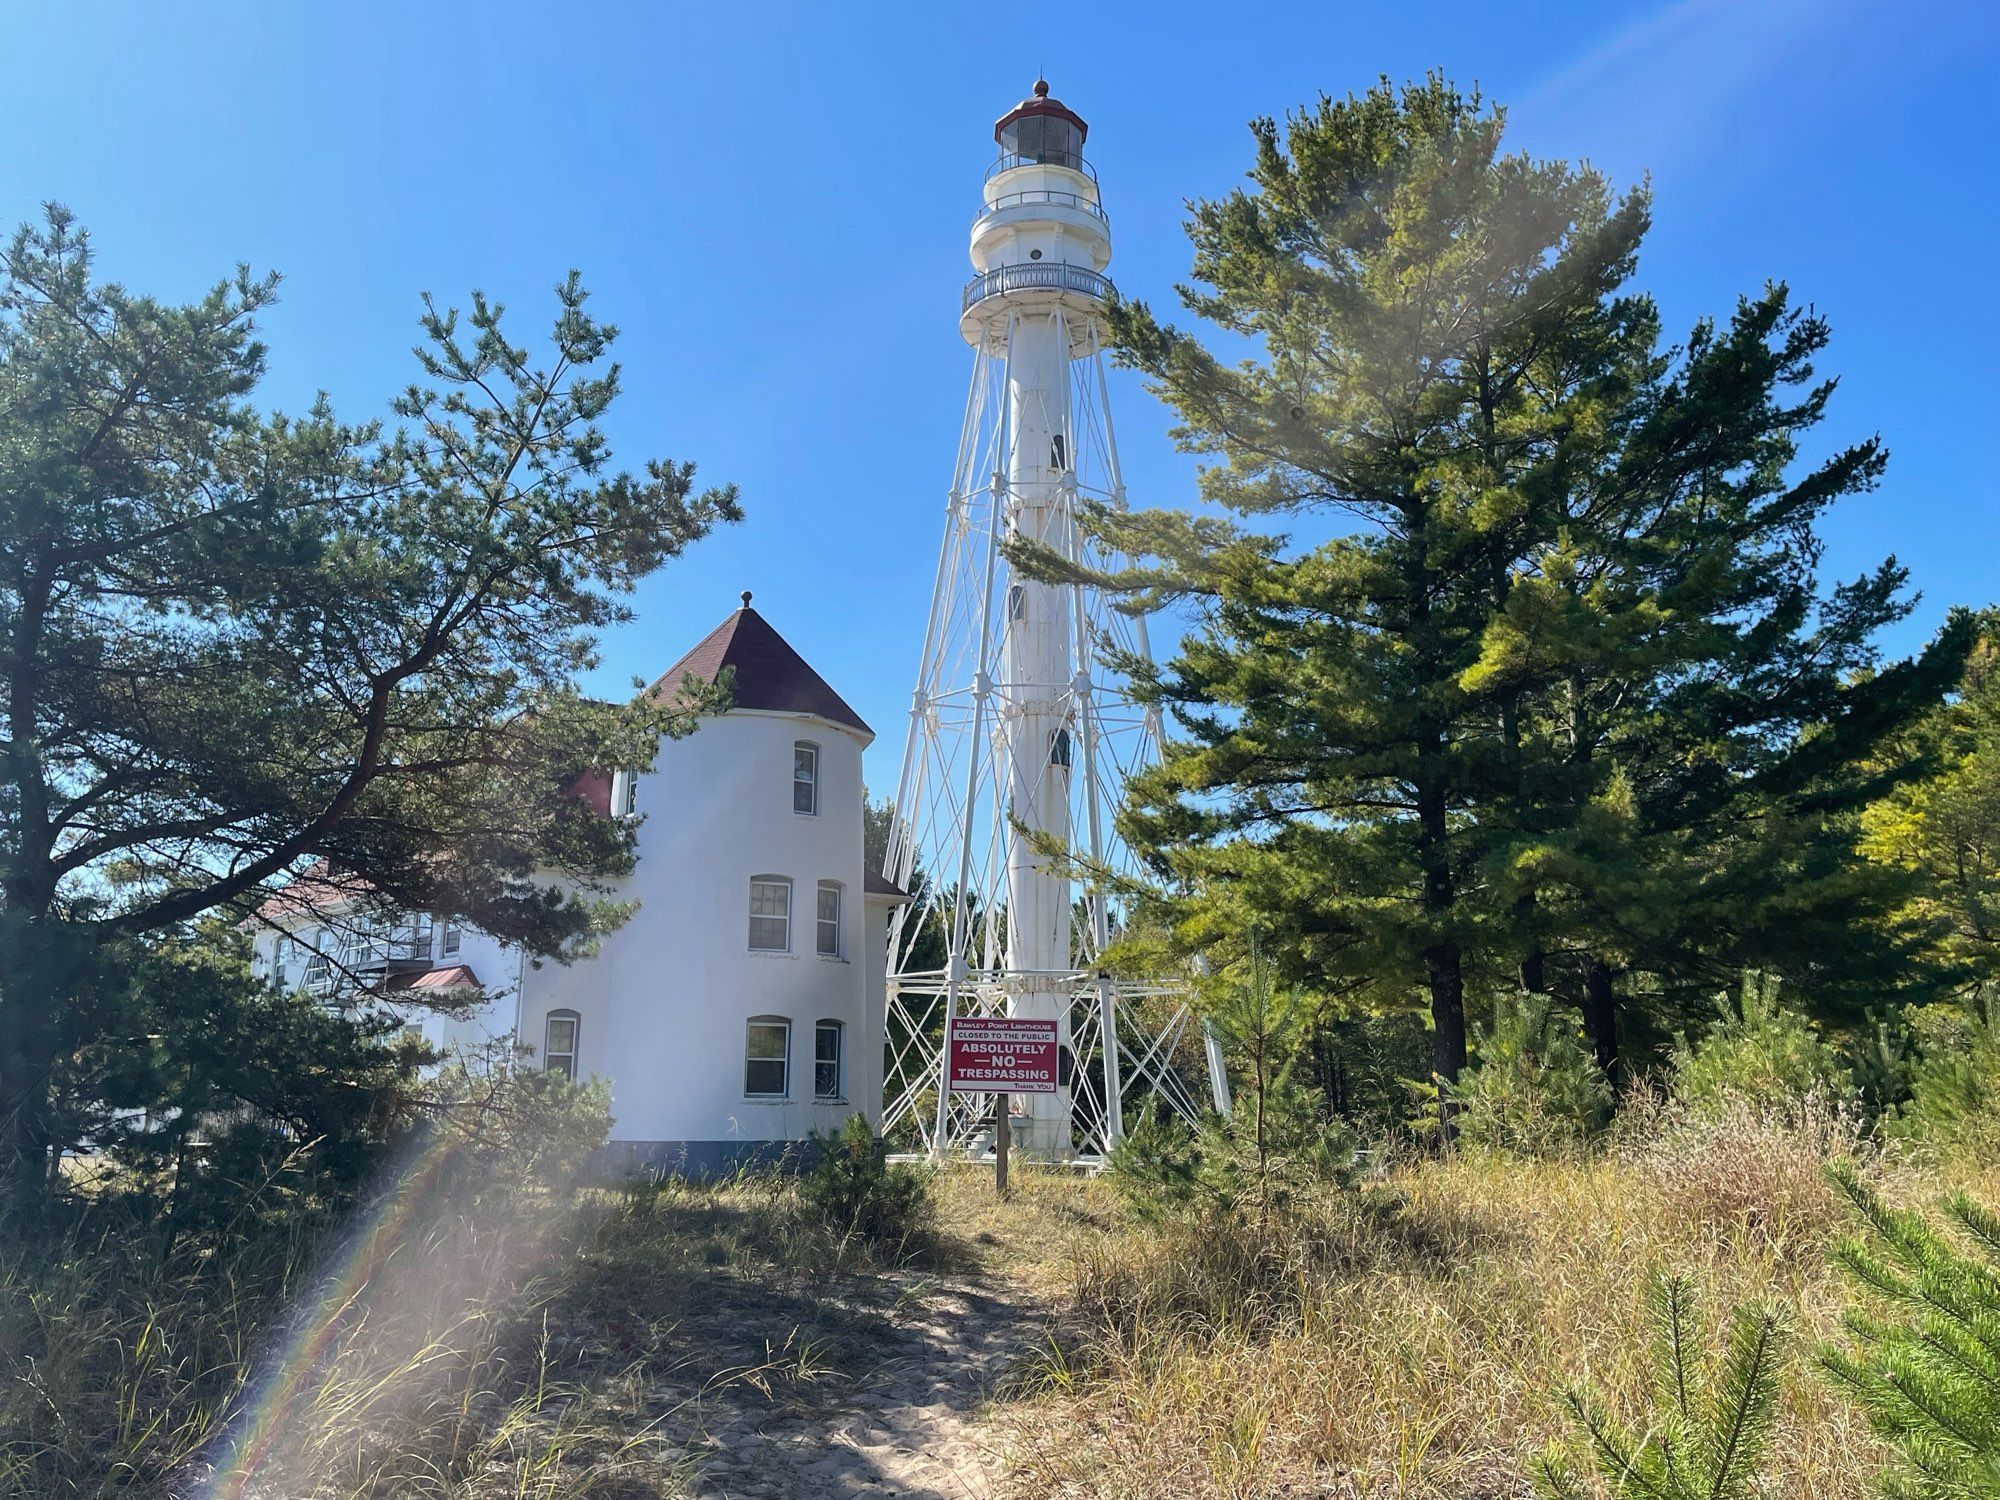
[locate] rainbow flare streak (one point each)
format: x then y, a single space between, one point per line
254 1433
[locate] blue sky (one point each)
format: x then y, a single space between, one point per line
772 203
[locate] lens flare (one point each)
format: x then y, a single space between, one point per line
273 1409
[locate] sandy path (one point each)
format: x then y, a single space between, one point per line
878 1392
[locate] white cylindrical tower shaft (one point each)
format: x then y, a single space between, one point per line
1021 729
1040 244
1037 665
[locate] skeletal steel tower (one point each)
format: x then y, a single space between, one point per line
1020 738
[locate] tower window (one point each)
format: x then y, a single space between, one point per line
1058 452
770 914
805 778
827 1036
1059 749
559 1037
1017 601
829 919
767 1058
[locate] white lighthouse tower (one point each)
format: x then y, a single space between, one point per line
1021 736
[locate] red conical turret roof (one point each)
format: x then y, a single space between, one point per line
770 675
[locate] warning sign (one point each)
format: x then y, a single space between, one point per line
1001 1055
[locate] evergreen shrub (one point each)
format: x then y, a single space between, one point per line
1759 1053
1532 1088
1954 1079
1709 1430
854 1188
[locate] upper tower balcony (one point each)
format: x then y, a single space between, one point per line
1041 238
1041 163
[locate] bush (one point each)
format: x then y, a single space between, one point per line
1951 1110
1533 1088
1273 1154
1275 1147
854 1188
515 1126
1759 1053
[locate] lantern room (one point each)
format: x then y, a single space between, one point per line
1041 131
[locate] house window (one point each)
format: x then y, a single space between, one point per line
829 919
559 1043
826 1060
421 937
767 1058
319 968
281 954
625 793
770 914
449 936
805 778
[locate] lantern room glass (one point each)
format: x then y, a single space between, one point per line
1046 139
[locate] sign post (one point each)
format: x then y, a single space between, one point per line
1000 1055
1003 1136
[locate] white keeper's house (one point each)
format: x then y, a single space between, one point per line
733 1012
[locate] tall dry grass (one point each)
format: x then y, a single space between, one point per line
1410 1340
502 1344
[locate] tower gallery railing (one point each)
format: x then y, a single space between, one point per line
1044 195
1069 160
1056 277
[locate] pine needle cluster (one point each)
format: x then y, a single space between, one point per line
1924 1354
1712 1420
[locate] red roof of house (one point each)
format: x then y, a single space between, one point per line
770 675
318 887
454 976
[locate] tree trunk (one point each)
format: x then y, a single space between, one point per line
29 1044
1534 972
1600 1017
1442 967
1447 985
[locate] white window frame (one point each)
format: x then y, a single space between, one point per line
771 882
550 1052
825 926
810 781
624 794
450 934
838 1031
783 1025
319 962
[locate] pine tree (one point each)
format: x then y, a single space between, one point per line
1276 1143
1532 1087
1440 346
1710 1426
234 646
1567 701
1924 1356
1941 830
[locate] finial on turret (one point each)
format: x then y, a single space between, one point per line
1041 88
746 598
